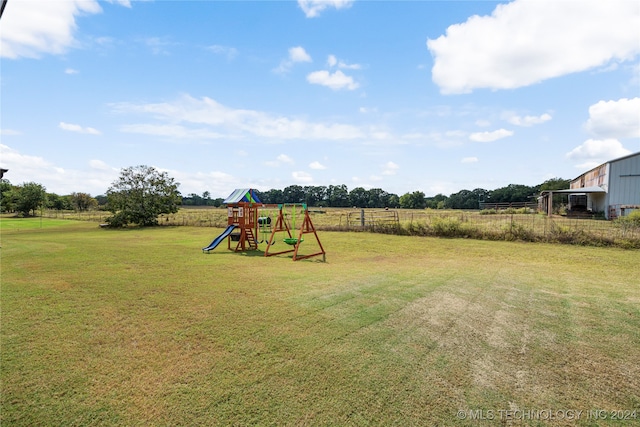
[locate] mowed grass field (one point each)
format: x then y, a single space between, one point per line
139 327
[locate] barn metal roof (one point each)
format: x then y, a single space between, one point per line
594 189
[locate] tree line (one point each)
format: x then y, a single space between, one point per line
142 193
339 196
29 197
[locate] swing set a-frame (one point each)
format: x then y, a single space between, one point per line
244 226
306 228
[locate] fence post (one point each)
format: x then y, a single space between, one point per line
362 218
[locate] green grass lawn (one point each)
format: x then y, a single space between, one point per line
139 327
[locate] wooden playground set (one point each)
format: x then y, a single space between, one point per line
248 218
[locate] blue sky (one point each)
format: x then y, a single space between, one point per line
431 96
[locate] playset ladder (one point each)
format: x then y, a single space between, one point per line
246 236
253 243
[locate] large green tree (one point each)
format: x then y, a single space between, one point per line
513 193
29 197
555 184
415 200
140 194
7 196
293 194
463 199
338 196
358 197
59 203
83 201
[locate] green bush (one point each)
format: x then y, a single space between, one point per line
627 243
488 212
517 231
453 227
417 229
117 220
629 222
518 211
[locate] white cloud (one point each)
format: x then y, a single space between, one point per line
125 3
279 161
229 52
335 81
615 119
71 71
10 132
216 182
526 41
302 177
490 136
158 45
170 131
95 179
100 165
597 151
77 128
317 165
390 168
214 120
380 135
15 161
296 54
332 61
483 123
529 120
469 160
33 28
283 158
312 8
635 75
367 110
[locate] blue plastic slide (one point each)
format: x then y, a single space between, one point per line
219 239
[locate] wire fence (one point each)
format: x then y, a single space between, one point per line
528 227
450 223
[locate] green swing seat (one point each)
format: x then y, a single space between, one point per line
292 240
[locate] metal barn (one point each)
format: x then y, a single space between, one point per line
613 188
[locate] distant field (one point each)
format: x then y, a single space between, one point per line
504 225
139 327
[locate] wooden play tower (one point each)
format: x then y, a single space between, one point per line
242 212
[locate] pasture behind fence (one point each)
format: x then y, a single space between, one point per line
529 227
453 223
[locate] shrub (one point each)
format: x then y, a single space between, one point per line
629 222
517 231
452 227
488 212
117 220
628 243
417 229
514 211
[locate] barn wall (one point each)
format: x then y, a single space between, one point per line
624 181
596 177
